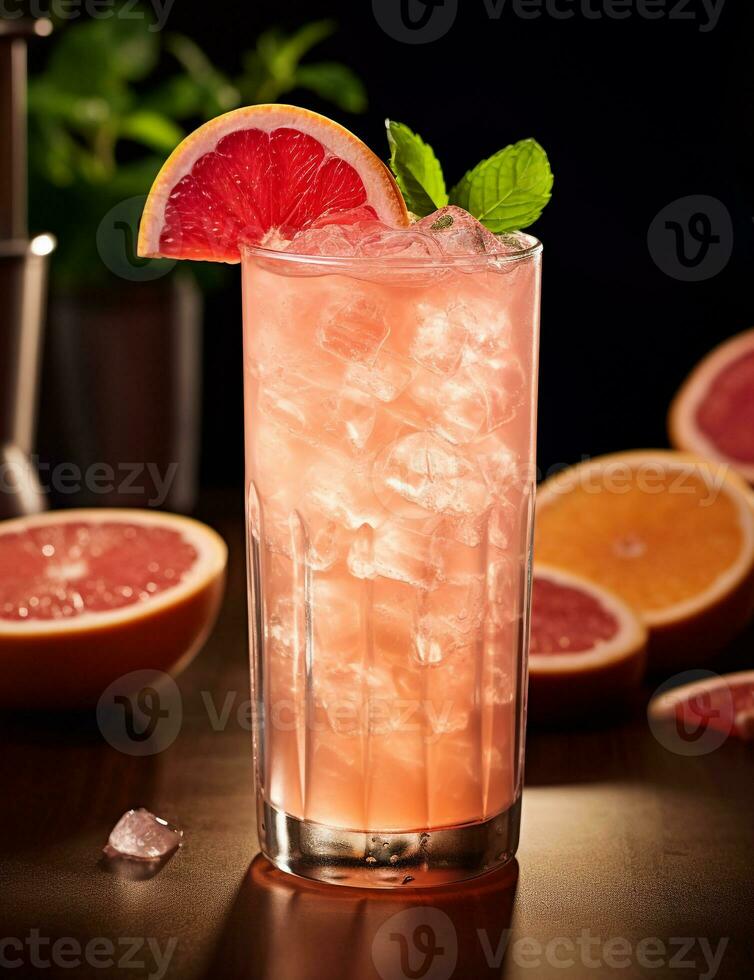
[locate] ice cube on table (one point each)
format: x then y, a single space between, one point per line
142 836
420 472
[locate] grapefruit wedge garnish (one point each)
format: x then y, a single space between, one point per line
588 648
260 174
87 596
724 703
670 533
713 413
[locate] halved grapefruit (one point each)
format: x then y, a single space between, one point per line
89 595
588 648
713 413
670 533
724 703
260 174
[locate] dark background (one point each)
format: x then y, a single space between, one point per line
634 114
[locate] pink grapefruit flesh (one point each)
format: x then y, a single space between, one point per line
63 571
587 648
258 175
90 595
568 619
713 413
724 703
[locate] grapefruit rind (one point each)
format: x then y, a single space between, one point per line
382 191
682 428
662 706
687 633
568 687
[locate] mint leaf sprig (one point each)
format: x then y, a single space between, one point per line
417 170
506 192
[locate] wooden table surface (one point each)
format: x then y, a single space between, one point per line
634 860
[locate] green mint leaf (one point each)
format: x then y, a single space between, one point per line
508 191
416 169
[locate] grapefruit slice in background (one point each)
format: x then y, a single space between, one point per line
713 413
258 175
724 703
588 649
89 595
672 534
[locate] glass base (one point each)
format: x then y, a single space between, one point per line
371 859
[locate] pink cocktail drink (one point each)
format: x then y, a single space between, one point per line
390 423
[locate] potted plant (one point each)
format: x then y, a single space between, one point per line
125 334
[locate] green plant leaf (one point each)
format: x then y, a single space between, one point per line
98 55
334 82
282 53
509 190
273 67
151 129
50 101
217 92
134 178
135 48
416 169
179 97
53 155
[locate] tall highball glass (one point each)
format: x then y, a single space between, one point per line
390 409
